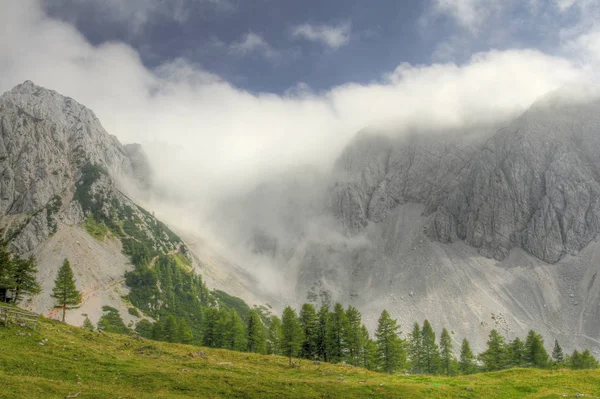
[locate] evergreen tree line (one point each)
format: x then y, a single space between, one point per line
17 276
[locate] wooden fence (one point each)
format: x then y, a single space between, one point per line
18 316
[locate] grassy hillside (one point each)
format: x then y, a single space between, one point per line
58 360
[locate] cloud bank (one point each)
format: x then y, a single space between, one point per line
332 36
207 137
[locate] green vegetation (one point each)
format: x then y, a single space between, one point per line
95 229
100 365
112 322
17 276
65 293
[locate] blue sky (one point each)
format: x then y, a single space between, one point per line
274 45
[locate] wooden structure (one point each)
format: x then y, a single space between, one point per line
18 316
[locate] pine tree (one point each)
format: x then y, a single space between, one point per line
64 292
494 357
210 327
446 353
112 322
310 327
335 335
274 337
588 361
535 353
368 354
557 353
236 332
390 347
430 352
353 337
184 332
322 331
256 333
415 350
25 283
516 353
87 324
466 364
170 330
291 332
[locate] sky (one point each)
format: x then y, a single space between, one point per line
222 93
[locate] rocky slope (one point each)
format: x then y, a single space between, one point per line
61 196
488 228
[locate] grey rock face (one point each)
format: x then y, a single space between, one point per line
45 140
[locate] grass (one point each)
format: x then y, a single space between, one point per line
95 229
58 360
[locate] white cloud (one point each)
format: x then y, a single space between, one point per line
332 36
207 136
252 43
470 14
565 4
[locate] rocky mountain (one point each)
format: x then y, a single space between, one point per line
491 227
62 196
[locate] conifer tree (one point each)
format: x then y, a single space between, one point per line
236 333
430 354
587 361
557 353
256 333
310 327
390 347
210 327
535 353
6 271
368 355
291 333
64 292
494 357
467 359
25 283
184 332
274 337
170 329
335 336
354 338
415 350
322 333
516 353
87 324
446 354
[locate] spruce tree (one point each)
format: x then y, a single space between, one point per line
25 283
415 350
236 332
6 271
64 292
353 337
310 327
274 337
390 347
446 354
430 351
368 355
184 332
112 322
322 333
87 324
256 333
535 353
557 353
494 357
466 364
291 333
588 361
170 329
516 353
336 333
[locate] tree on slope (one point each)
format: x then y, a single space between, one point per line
291 333
256 333
430 351
516 353
65 293
337 331
322 333
310 327
466 364
25 283
446 354
274 337
535 353
494 357
390 347
557 353
353 336
415 350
